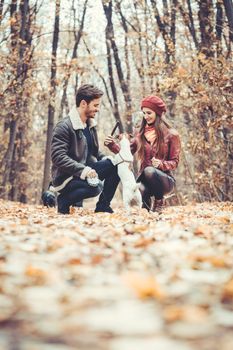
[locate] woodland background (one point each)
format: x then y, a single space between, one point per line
178 49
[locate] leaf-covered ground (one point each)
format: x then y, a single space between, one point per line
116 282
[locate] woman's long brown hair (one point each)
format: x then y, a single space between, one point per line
160 122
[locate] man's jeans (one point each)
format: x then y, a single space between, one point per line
77 190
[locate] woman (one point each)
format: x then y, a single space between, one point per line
157 148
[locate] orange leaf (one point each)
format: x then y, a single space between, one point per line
190 313
227 295
145 286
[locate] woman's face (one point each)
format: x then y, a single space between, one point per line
149 115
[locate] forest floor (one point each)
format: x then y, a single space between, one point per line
116 282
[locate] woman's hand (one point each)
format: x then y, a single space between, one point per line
109 139
155 162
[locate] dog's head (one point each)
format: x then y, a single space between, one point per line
125 151
124 140
124 136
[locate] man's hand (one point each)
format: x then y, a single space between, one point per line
109 139
155 162
92 173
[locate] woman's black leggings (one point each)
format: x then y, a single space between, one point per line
155 183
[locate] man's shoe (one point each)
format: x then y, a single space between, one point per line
62 206
78 204
48 199
103 209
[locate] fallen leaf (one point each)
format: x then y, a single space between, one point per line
189 313
145 286
227 293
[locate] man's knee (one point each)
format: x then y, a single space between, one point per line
105 169
105 164
95 191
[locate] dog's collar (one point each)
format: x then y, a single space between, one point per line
123 160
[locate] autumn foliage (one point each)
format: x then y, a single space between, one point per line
180 50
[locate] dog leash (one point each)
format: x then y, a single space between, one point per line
115 127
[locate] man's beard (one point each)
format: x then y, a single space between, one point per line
91 116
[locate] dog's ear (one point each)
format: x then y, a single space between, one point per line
128 136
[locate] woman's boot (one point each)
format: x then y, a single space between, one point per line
158 205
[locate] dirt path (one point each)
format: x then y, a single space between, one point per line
114 282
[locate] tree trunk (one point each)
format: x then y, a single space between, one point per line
19 166
219 27
102 78
51 107
205 15
139 63
110 37
116 112
1 10
78 37
228 4
189 22
7 161
166 32
19 45
173 23
192 26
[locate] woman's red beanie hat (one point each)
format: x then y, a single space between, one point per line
155 103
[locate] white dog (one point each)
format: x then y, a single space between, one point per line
123 160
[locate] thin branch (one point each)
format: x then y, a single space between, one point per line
100 75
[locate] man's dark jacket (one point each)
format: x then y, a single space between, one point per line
69 149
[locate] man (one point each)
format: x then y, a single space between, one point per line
77 163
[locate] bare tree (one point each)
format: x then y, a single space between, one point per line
102 78
228 4
127 26
219 27
166 25
77 35
111 43
21 36
206 20
51 108
1 9
188 19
